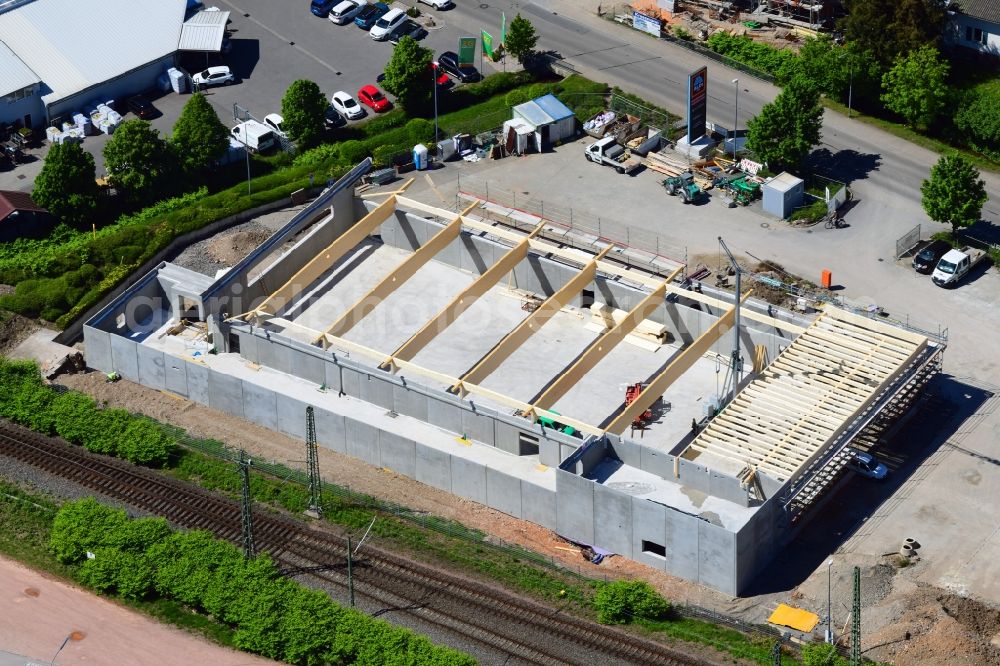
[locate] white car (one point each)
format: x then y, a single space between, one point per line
346 105
344 12
438 4
391 20
274 120
213 76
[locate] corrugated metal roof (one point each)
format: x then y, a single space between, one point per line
533 113
204 31
14 74
74 46
987 10
553 107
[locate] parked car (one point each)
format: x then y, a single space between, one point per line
373 98
274 121
386 24
346 105
448 61
141 107
332 119
254 135
868 465
442 80
213 76
344 12
438 4
369 14
410 29
926 259
321 7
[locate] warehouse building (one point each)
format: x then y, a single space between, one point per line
561 380
57 57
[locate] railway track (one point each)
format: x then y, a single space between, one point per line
476 611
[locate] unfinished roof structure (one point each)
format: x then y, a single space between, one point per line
494 357
809 394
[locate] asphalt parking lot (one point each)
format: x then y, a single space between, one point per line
275 44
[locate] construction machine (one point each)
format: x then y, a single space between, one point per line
682 185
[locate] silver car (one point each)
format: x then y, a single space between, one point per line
868 465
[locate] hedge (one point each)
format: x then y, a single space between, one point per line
271 615
78 419
624 601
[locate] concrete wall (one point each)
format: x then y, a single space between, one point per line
693 548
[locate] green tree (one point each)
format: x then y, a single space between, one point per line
623 601
521 38
978 117
954 194
917 86
199 138
890 28
66 185
138 161
408 75
302 110
785 130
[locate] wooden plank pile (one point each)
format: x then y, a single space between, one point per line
674 165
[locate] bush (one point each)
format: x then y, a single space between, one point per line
83 526
779 63
518 96
978 117
113 570
624 601
822 654
353 152
420 130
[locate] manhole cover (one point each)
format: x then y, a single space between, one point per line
765 225
31 592
631 487
291 43
483 5
77 636
21 176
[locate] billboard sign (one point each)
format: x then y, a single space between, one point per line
646 23
697 103
466 51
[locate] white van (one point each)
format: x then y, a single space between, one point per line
254 135
391 20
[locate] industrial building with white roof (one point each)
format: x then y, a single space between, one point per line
58 57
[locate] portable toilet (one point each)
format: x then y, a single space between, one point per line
420 156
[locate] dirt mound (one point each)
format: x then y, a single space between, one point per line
938 628
230 247
14 329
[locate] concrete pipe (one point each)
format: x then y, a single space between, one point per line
912 543
907 550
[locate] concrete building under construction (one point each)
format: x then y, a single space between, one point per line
562 380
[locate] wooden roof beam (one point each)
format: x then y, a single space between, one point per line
680 364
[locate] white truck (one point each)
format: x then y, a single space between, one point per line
955 265
608 151
254 135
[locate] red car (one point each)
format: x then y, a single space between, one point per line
373 98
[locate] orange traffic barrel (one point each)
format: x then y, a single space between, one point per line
827 279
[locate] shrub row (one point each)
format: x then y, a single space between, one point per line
77 418
779 63
271 615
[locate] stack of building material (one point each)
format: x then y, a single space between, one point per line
178 80
105 118
82 122
51 133
667 164
647 335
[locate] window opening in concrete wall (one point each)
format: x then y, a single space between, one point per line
234 343
653 548
527 445
587 298
187 308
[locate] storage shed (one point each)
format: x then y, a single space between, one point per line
783 194
552 119
20 217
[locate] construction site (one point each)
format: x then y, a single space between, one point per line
594 390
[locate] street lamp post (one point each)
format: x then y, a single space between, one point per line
829 601
736 114
850 88
434 71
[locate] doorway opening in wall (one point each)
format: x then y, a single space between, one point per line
587 298
527 445
187 308
234 343
654 549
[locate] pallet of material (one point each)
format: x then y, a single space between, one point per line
648 334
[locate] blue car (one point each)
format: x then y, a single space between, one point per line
321 8
369 14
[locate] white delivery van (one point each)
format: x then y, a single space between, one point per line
254 135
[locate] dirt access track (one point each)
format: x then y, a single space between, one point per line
40 612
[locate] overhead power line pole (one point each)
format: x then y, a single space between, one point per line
312 455
856 620
246 513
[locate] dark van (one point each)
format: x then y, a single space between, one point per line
927 258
